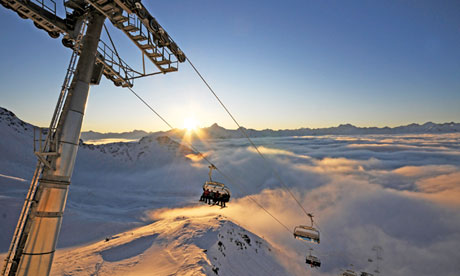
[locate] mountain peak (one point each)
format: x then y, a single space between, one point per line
346 126
215 126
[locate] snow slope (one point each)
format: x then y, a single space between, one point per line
206 245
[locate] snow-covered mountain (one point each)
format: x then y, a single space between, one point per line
217 132
204 245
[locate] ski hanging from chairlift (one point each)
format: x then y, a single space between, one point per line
307 233
215 192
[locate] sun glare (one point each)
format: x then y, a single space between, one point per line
190 124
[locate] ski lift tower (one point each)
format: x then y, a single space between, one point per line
35 237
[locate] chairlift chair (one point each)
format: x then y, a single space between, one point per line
312 260
307 233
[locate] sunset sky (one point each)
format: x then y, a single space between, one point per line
276 64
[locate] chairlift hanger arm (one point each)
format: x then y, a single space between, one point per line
211 167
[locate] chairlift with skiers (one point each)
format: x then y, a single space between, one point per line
215 191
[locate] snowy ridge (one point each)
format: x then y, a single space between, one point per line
22 133
206 245
9 120
16 145
133 151
135 134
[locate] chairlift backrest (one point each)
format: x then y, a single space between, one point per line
216 187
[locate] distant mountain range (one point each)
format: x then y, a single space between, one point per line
217 132
92 135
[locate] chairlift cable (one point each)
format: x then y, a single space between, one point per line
275 173
253 200
153 110
209 161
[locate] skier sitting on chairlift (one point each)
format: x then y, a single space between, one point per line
216 198
210 197
203 194
206 196
226 198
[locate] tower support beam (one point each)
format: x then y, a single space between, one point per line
37 244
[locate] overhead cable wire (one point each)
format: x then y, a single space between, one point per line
209 161
253 200
153 110
275 173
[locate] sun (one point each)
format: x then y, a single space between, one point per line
190 124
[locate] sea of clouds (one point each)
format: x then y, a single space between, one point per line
400 192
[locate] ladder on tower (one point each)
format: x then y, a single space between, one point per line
144 31
46 150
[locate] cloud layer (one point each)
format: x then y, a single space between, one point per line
401 192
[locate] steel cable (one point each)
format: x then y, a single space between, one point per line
230 179
275 173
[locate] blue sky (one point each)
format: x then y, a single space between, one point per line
276 64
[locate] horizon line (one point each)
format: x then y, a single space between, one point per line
281 129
